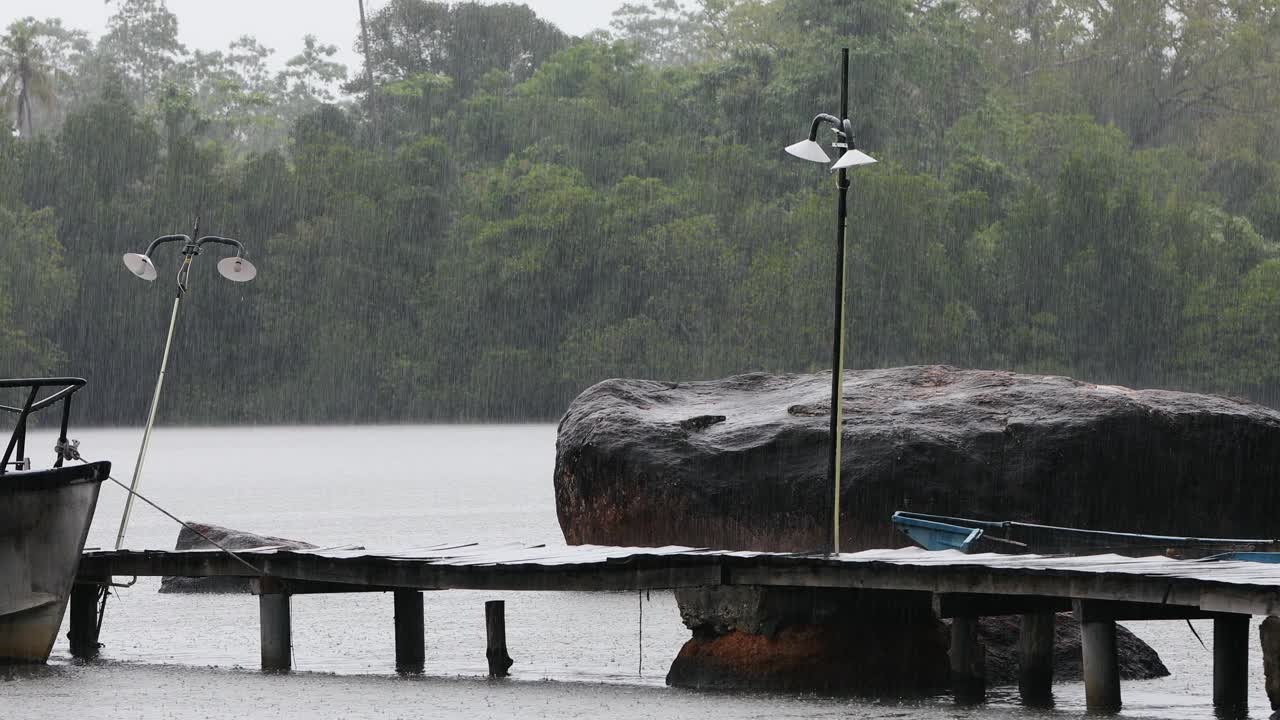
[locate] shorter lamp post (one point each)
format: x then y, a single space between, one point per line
236 268
846 157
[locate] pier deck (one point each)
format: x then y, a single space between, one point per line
1101 589
1209 586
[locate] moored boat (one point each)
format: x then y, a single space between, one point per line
938 532
44 520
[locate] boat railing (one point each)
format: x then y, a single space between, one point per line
15 451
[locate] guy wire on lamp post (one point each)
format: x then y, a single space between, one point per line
847 156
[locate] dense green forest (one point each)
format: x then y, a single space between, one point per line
490 215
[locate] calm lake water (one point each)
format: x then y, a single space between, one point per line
577 655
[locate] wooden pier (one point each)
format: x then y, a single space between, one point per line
1099 589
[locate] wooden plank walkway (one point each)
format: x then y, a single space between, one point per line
1100 589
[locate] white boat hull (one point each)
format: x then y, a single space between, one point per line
44 520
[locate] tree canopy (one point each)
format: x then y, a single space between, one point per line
509 214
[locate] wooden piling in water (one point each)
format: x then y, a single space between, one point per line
968 661
495 623
1100 659
1035 658
83 633
410 631
1231 663
275 628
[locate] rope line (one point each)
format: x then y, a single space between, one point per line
1192 628
186 525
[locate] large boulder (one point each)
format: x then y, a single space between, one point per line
836 640
999 635
742 462
231 540
810 639
1269 635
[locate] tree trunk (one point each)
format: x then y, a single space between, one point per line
24 99
368 66
24 114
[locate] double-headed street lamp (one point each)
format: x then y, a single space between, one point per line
236 268
847 156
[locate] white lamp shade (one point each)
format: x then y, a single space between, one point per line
853 158
237 269
809 150
140 265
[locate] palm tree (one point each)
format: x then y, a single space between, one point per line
25 73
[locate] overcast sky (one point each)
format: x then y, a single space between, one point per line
280 24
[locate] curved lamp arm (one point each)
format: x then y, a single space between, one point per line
165 239
215 239
843 128
230 242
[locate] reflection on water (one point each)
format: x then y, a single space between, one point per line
577 655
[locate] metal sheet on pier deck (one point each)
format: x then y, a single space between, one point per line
1218 586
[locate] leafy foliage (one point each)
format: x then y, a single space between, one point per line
508 214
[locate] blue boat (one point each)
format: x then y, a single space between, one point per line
940 532
1262 557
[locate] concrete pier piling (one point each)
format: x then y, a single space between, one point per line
1035 658
275 628
495 623
1231 664
1100 661
968 661
410 631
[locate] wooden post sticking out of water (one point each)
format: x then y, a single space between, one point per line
495 624
275 626
410 629
1035 658
1100 660
968 661
83 634
1231 663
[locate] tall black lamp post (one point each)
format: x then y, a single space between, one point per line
846 157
